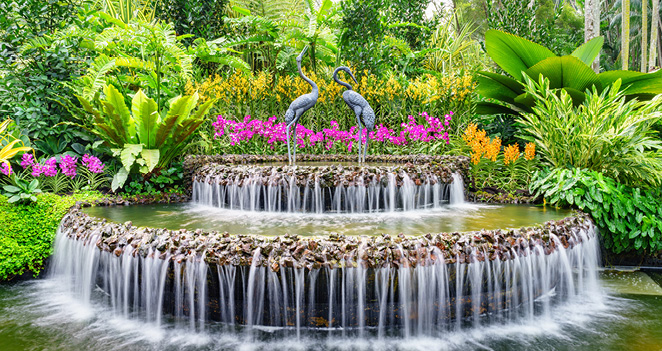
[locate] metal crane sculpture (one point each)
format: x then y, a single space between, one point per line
297 108
364 113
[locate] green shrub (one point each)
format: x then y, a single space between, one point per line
630 219
27 232
37 62
606 133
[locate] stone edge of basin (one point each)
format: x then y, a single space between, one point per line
332 251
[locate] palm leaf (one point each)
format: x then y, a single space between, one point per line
589 50
566 71
512 53
635 82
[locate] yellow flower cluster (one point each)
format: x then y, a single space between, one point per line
263 87
492 148
511 153
530 151
237 88
484 147
481 145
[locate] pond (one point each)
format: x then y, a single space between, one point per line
41 315
465 217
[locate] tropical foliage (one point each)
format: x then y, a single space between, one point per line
606 133
145 135
520 58
135 55
630 218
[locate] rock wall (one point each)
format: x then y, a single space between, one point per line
329 251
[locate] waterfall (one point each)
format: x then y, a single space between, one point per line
421 296
391 193
457 190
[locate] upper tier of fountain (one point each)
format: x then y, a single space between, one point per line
322 184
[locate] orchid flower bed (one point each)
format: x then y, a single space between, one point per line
269 137
62 174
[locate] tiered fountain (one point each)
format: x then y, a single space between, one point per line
355 282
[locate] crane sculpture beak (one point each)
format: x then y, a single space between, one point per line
352 75
303 52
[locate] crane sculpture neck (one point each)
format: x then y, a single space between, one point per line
335 77
315 91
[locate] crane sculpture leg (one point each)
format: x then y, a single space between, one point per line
294 147
365 147
291 155
289 152
357 110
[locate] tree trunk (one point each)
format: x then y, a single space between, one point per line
655 19
625 34
592 26
644 35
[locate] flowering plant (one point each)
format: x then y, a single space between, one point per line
60 175
391 96
257 136
490 167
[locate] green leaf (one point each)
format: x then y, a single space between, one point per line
14 199
565 72
146 116
496 86
117 114
633 234
181 107
490 108
11 188
151 157
119 179
514 54
589 50
129 153
634 82
241 10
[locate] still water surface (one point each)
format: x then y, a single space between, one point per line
465 217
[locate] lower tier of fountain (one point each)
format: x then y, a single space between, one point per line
392 285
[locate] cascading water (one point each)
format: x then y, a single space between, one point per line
389 193
457 190
419 292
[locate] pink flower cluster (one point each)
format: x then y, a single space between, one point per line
274 133
5 168
93 164
68 165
